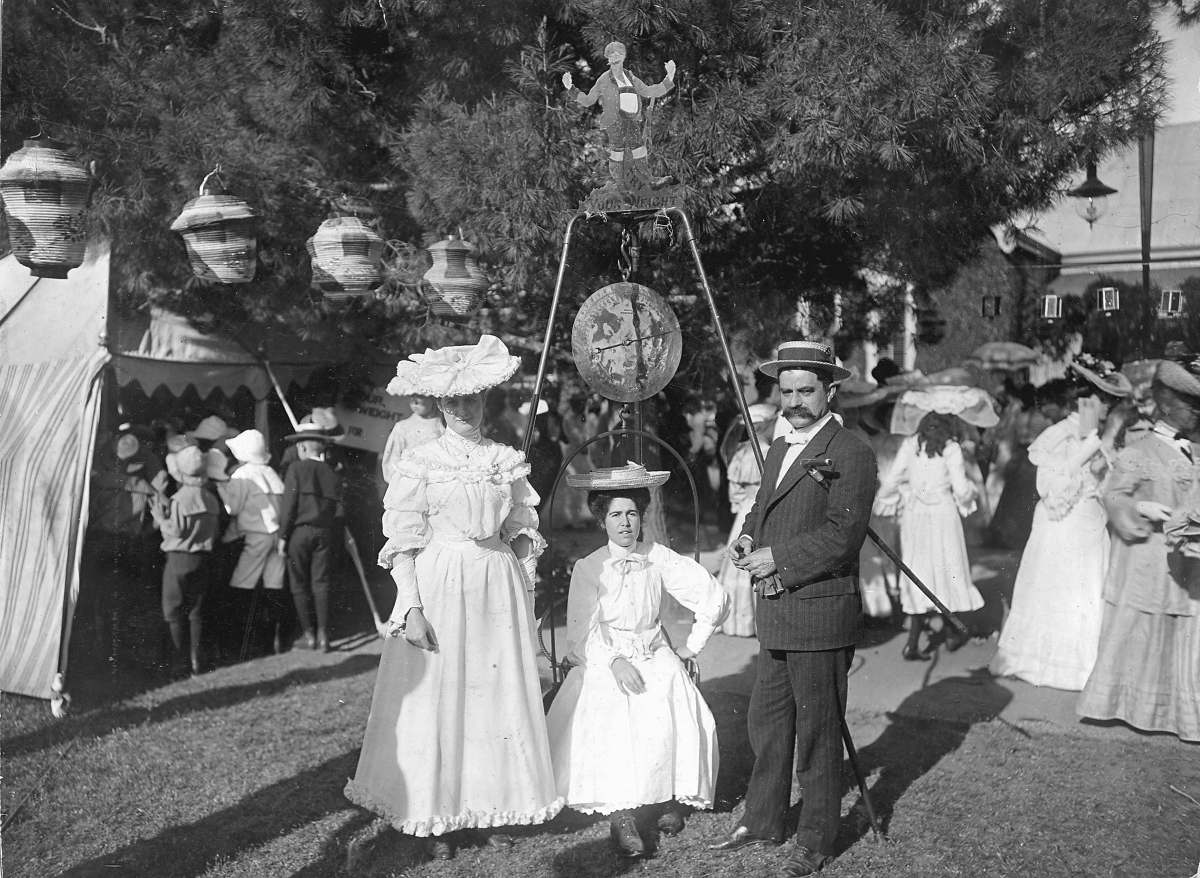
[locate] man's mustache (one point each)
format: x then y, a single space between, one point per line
797 410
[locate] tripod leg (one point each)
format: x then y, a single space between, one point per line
862 781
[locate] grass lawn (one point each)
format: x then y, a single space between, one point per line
240 773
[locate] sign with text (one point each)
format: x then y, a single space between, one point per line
370 422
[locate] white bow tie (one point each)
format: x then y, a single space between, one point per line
797 437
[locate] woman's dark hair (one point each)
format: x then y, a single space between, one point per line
934 431
1057 391
599 501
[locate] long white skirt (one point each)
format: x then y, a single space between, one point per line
932 545
456 739
739 622
613 751
1053 630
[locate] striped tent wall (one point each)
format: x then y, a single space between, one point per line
50 412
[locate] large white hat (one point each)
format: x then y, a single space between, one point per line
249 446
455 370
616 478
811 356
1182 377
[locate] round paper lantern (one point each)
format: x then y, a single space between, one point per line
218 230
456 283
45 194
346 257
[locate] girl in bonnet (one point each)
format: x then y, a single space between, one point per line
629 727
456 738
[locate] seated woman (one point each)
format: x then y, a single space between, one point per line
629 727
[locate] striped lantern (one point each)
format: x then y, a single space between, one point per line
45 194
346 254
455 283
218 230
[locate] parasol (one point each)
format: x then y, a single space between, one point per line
1004 356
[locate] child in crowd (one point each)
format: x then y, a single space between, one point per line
188 522
743 475
928 484
629 727
309 517
424 425
253 496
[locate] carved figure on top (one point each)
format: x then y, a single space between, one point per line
622 98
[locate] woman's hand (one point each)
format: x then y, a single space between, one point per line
419 632
521 545
628 679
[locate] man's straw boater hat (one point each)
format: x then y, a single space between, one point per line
618 478
1181 374
811 356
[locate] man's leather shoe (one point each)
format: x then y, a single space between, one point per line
912 654
803 861
625 835
741 838
670 821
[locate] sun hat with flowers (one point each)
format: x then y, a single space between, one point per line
1101 374
455 370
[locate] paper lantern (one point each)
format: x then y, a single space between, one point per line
45 194
1171 303
1051 307
346 256
218 230
455 284
990 306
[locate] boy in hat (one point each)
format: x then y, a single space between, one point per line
188 522
308 517
253 496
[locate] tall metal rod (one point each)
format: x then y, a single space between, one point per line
527 440
738 394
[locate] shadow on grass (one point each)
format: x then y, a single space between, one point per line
105 720
256 820
919 735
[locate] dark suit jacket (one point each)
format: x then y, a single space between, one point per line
815 536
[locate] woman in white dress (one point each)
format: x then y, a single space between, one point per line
1052 633
629 727
456 738
928 486
743 476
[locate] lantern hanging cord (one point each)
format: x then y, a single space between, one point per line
215 172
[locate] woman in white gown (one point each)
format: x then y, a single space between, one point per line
1052 633
928 486
743 476
629 727
456 738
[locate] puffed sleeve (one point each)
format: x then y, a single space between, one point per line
1129 470
405 511
1063 473
887 500
586 643
960 486
695 588
522 518
743 476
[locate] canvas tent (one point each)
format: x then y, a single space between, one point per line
55 343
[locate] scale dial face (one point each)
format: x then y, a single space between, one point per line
626 342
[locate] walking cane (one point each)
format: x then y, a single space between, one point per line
258 586
352 550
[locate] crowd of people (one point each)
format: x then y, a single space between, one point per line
189 517
1092 481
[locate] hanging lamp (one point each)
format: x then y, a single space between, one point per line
346 253
45 193
218 230
455 284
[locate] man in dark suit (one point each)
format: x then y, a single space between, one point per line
800 545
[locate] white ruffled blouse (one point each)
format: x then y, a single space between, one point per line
455 489
616 596
1065 474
